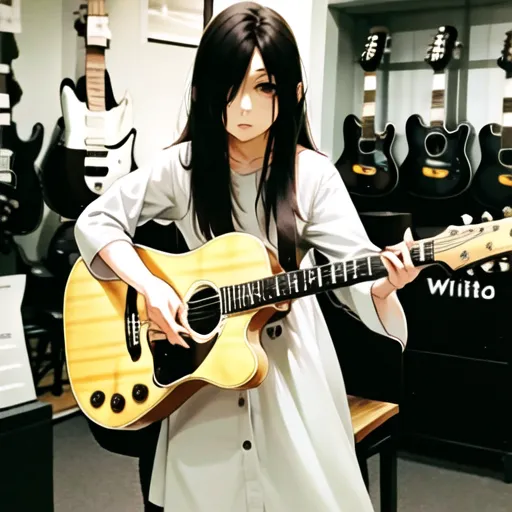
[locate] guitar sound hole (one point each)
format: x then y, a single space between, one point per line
204 310
506 157
173 362
435 144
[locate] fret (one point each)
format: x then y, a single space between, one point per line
368 118
319 276
369 263
345 276
277 287
422 251
354 269
333 273
506 130
437 107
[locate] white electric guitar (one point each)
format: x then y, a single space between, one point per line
97 144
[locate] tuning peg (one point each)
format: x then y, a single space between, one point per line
486 217
466 219
504 266
470 272
507 211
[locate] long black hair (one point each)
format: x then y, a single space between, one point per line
221 63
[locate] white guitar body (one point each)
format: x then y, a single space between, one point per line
107 137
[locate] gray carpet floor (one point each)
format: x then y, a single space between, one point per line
90 479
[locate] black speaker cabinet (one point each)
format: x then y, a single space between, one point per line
26 458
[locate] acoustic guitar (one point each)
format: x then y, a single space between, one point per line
125 374
437 165
492 184
367 165
94 143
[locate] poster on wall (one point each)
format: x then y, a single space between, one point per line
10 16
178 22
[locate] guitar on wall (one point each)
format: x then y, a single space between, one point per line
437 165
492 184
366 164
96 145
21 197
125 374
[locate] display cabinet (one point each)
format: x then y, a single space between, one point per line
456 368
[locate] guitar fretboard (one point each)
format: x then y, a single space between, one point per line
437 106
506 130
368 118
5 104
310 281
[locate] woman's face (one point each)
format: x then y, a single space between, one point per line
254 109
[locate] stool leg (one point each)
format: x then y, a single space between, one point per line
363 466
388 477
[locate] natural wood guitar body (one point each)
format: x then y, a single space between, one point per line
96 346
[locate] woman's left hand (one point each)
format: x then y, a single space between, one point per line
398 263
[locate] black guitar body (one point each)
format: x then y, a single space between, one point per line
377 174
436 166
25 199
492 184
65 190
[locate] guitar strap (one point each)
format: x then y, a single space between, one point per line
286 232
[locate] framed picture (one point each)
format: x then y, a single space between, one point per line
177 22
10 16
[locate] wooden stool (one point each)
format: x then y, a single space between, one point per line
374 432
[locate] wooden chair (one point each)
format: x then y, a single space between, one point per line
374 425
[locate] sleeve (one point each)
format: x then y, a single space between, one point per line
334 229
138 197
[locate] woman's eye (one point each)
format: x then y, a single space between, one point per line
267 88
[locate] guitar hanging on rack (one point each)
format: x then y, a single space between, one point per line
366 164
492 184
125 374
21 197
437 165
96 145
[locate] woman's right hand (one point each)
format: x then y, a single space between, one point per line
165 308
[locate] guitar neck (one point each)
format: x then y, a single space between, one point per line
310 281
5 105
95 78
506 130
437 107
368 118
95 63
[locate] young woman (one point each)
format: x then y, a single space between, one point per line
288 444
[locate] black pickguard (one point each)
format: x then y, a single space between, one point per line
62 170
173 362
27 192
370 154
486 187
451 157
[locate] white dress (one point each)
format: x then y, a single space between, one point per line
288 444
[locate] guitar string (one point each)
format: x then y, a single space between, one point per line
196 311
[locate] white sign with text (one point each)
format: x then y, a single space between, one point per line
16 381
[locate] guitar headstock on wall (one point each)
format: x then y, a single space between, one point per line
441 49
505 60
377 43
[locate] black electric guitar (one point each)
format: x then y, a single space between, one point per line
94 141
437 165
492 184
20 190
366 164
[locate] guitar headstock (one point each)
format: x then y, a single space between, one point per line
377 43
466 246
505 61
440 50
